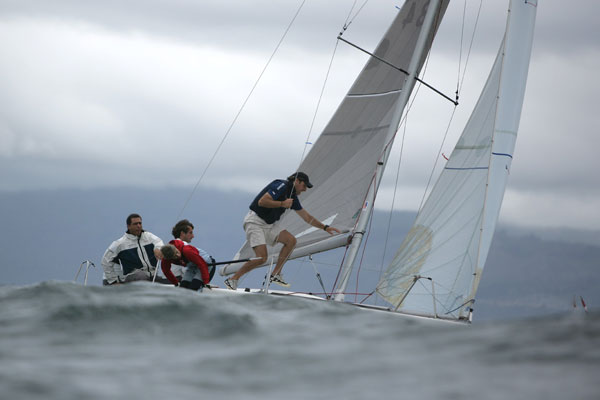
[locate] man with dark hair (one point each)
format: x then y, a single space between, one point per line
130 217
259 224
183 230
133 256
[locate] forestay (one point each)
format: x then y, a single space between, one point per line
451 236
342 162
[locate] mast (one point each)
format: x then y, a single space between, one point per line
367 209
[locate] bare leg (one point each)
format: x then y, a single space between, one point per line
289 242
260 251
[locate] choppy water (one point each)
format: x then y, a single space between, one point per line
64 341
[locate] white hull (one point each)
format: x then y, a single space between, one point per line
216 291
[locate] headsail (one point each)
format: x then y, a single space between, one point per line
437 269
342 162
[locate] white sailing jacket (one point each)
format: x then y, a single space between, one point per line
129 254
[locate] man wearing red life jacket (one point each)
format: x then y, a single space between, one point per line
198 271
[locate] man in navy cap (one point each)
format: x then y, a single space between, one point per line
260 228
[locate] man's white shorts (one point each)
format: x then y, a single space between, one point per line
258 232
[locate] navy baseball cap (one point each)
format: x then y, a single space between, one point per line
302 177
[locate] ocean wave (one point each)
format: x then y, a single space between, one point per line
154 341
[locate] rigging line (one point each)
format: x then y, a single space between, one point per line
387 235
405 122
436 161
241 108
471 45
398 69
363 254
461 306
462 34
347 24
454 110
312 124
321 263
327 294
369 295
435 300
439 285
350 20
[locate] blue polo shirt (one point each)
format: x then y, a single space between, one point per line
279 190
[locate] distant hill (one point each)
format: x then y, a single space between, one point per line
47 234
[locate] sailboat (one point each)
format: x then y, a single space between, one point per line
437 268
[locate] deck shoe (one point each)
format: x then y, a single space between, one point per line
278 279
231 283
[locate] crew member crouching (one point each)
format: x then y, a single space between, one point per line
199 264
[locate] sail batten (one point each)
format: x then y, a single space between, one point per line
391 92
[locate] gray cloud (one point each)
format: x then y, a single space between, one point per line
140 93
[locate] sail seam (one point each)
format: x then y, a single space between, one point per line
465 168
514 133
356 132
485 146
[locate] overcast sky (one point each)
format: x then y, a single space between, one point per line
140 93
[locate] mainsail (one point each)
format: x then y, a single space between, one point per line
437 269
343 160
